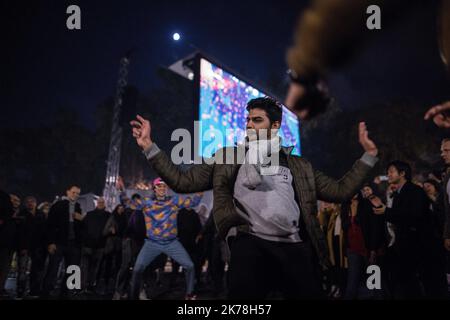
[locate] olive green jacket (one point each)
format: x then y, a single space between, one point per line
309 185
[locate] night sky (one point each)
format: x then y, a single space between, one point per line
48 66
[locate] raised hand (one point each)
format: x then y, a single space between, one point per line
440 115
295 93
376 202
368 145
78 216
141 132
307 101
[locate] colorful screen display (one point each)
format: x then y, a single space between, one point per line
223 99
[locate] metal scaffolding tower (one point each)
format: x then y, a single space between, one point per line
111 191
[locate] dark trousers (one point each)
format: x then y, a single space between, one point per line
254 262
130 250
433 272
71 255
5 265
90 266
357 278
336 272
355 275
405 276
217 266
37 257
418 270
112 260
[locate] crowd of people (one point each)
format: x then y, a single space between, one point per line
281 243
39 242
397 223
279 230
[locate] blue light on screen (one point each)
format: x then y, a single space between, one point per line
223 99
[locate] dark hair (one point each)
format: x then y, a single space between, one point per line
435 184
116 209
269 105
401 166
15 194
31 197
374 187
346 207
73 186
367 184
135 196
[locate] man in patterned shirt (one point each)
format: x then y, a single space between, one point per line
160 214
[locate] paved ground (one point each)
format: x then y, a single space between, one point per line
170 287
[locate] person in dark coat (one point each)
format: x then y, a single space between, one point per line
64 227
364 241
93 244
32 245
418 257
114 232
